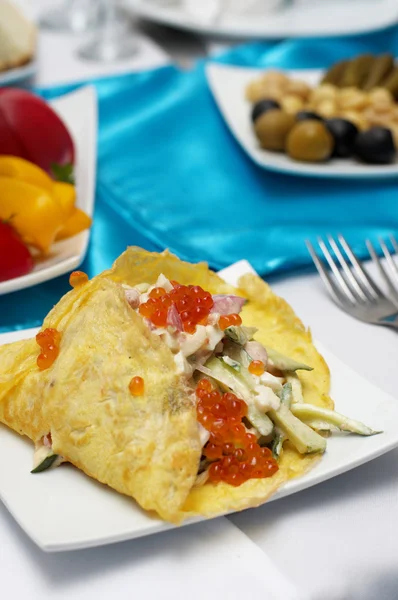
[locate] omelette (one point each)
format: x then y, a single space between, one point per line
161 381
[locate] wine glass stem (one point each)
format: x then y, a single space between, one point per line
110 14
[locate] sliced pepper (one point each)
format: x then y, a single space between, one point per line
31 129
65 193
76 223
19 168
34 212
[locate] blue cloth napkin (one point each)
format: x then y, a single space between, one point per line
171 175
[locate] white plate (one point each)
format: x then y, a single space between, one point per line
19 74
65 510
228 86
79 112
296 18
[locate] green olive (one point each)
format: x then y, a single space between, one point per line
272 129
310 141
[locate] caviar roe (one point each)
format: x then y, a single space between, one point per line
137 386
78 278
193 305
237 455
256 367
48 340
229 320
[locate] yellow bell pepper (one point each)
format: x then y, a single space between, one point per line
65 193
76 223
19 168
33 211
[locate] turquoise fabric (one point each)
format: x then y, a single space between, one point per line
171 175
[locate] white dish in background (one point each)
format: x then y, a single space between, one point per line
78 110
19 74
228 85
293 18
63 509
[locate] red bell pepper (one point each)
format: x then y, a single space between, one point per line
15 258
30 129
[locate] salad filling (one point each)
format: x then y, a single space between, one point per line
248 398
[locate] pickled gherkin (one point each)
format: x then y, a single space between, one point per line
380 70
335 74
391 83
357 71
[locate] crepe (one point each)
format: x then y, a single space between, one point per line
146 447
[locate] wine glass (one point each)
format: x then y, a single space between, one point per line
76 16
113 40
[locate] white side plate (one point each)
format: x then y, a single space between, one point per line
228 86
296 18
65 510
78 110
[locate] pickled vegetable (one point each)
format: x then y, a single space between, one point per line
272 129
344 134
310 141
357 71
375 146
391 83
336 72
381 68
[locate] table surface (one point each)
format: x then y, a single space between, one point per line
335 541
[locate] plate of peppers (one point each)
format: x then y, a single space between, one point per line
47 184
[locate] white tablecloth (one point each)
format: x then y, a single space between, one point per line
335 541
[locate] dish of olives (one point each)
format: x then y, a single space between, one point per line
305 127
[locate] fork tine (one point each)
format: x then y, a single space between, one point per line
394 243
324 274
381 268
389 259
344 287
350 275
359 269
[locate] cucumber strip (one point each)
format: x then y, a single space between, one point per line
309 411
297 389
240 335
46 463
320 425
259 420
284 363
286 397
277 443
304 438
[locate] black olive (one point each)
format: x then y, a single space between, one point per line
344 134
263 106
305 115
376 145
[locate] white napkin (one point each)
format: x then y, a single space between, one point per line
208 560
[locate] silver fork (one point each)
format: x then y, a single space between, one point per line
350 285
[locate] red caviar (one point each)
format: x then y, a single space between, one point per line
78 278
137 386
48 340
229 320
237 454
192 303
256 367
